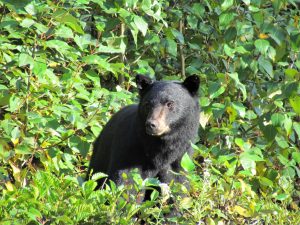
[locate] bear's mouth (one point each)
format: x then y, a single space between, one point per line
157 132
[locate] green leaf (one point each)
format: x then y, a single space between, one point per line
226 18
226 4
242 211
204 101
187 164
295 103
238 84
97 176
251 155
34 213
253 8
282 143
247 162
290 73
88 187
240 108
112 49
265 65
79 145
39 68
141 24
215 90
93 76
41 28
134 33
224 158
60 46
148 182
296 127
262 46
296 157
15 133
63 16
95 59
269 132
171 47
25 59
154 195
14 103
239 142
265 182
277 119
192 21
83 41
186 203
178 35
30 9
132 3
230 34
283 160
289 172
27 23
23 150
232 113
281 197
198 10
229 51
288 123
276 33
64 32
92 59
241 50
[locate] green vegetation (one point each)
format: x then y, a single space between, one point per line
67 66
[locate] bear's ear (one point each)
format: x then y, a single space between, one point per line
142 82
192 84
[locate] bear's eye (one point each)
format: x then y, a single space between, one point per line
170 104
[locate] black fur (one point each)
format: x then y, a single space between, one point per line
124 143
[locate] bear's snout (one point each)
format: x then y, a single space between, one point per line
151 127
156 123
154 128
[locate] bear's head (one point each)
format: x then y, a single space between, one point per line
166 105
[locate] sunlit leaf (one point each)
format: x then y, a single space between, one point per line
241 211
226 18
187 164
296 156
63 16
186 203
262 45
141 24
226 4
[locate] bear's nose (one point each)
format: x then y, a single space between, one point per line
150 124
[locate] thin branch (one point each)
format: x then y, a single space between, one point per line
141 55
182 58
122 55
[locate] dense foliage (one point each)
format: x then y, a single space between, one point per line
67 66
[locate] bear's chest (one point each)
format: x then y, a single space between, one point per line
164 154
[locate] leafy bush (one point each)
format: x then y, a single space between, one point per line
67 66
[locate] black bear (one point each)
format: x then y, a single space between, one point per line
152 135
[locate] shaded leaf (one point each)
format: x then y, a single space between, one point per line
295 103
238 84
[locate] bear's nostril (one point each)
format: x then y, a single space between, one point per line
151 124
